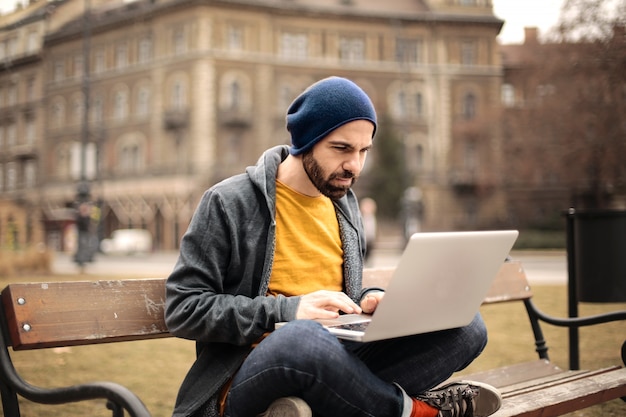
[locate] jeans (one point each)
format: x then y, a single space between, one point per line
339 378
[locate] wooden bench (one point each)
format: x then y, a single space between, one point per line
57 314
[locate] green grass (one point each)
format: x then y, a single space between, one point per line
154 369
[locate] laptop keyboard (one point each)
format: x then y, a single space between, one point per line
359 327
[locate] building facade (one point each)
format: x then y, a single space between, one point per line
152 102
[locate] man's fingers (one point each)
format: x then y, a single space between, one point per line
325 304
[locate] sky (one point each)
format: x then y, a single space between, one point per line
517 14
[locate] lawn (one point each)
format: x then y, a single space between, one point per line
154 369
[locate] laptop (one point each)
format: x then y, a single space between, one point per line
439 283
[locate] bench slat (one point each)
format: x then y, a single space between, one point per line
44 315
515 374
571 393
509 284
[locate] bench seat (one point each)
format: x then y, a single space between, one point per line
58 314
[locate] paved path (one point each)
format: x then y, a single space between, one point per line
549 267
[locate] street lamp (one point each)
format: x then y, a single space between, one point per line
85 248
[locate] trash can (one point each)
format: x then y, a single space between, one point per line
599 238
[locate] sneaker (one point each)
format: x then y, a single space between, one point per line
463 399
288 407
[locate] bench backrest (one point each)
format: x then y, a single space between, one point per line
70 313
54 314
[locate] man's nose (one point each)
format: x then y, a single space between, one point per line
353 163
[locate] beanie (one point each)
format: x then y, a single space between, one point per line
322 108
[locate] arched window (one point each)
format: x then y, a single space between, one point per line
58 113
97 109
121 105
143 101
130 156
179 95
469 106
235 95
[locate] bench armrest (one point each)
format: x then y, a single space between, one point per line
119 397
535 315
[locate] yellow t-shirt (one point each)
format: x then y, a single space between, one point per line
309 254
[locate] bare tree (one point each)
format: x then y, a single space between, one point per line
575 123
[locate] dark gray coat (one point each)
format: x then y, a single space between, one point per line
216 294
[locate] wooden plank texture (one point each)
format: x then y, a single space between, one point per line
519 373
509 284
556 398
79 313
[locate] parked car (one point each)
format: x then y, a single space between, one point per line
127 242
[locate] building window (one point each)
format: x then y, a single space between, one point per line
77 110
33 42
61 163
418 102
75 161
121 56
508 95
11 135
351 49
408 51
130 159
294 46
1 137
285 96
97 109
79 66
30 174
58 114
408 103
145 50
12 94
59 70
179 96
469 106
179 41
419 157
234 38
99 61
30 89
468 53
121 105
143 102
12 46
11 176
30 131
1 177
401 104
470 157
234 93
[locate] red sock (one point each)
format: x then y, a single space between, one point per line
421 409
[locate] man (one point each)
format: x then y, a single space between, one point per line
285 242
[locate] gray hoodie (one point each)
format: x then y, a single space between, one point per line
216 294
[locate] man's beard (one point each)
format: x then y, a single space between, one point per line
316 175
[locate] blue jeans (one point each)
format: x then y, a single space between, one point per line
338 378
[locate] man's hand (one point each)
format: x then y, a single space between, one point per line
325 305
371 300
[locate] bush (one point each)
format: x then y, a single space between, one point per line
32 260
540 239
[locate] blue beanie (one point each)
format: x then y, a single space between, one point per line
322 108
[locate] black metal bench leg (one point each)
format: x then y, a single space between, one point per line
10 405
117 410
624 360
